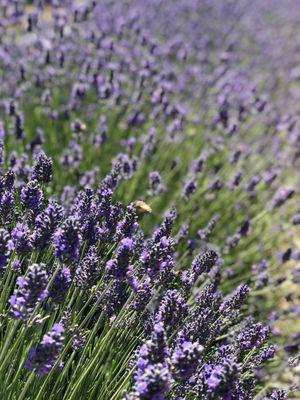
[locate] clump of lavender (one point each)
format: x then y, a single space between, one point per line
110 114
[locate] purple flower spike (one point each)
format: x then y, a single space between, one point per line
281 196
118 266
5 248
43 169
67 241
153 377
87 271
22 238
277 395
42 359
31 291
128 226
61 285
32 196
186 358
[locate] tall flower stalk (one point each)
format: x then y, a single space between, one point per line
146 224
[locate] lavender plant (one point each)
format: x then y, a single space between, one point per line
141 205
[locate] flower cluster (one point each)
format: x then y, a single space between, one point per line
146 225
45 355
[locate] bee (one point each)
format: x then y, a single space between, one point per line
142 208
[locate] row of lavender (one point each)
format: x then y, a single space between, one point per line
104 293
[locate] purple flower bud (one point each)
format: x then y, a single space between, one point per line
46 223
125 165
267 354
149 143
252 183
286 255
72 156
128 226
189 187
203 263
22 238
270 176
101 136
245 228
7 180
233 241
16 266
19 126
172 310
185 359
87 271
182 234
79 339
60 285
166 226
206 232
153 378
67 241
7 203
5 248
32 196
235 300
153 383
155 183
235 156
277 394
120 264
295 220
31 291
42 358
252 336
143 294
43 169
235 181
215 377
157 261
281 196
216 184
198 164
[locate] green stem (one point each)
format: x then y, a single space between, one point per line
27 384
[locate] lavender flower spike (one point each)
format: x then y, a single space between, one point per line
32 196
42 359
43 169
67 241
31 291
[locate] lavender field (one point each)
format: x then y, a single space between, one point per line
149 199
